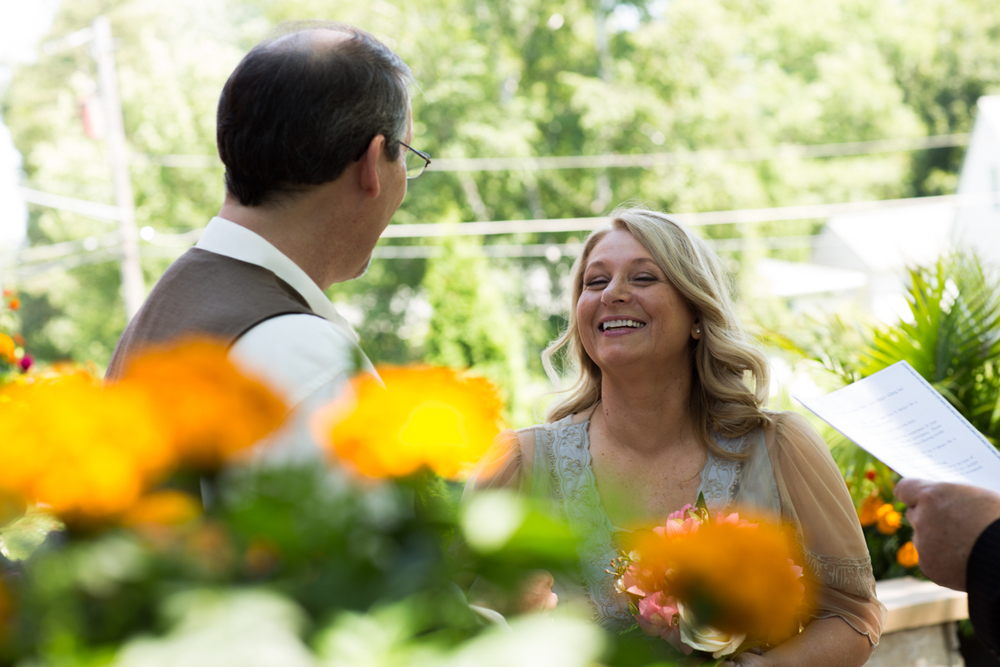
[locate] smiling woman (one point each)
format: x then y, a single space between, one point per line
667 409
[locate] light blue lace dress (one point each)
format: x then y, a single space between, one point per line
807 492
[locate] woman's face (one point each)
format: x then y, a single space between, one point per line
628 312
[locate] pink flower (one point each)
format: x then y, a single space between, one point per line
25 362
679 514
682 522
733 520
658 616
631 583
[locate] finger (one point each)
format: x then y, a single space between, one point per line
908 490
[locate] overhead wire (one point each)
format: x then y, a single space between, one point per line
622 160
60 256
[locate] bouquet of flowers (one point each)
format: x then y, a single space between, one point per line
713 587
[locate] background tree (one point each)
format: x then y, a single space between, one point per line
520 78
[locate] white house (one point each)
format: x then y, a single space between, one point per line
879 245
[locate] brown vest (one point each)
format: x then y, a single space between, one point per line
206 293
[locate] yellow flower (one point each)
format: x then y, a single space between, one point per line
868 513
423 417
87 452
7 349
907 555
888 519
162 508
213 409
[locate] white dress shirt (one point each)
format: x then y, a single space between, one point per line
305 359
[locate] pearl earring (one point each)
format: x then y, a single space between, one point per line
698 330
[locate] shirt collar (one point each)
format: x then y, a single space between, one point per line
224 237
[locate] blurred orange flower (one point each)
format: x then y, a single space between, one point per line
868 512
889 520
162 508
739 577
7 349
14 303
422 417
87 452
214 411
907 555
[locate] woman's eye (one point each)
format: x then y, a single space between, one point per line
644 278
595 282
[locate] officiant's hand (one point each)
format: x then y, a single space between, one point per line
947 519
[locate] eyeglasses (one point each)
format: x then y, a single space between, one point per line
416 161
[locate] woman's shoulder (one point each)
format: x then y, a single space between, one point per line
527 438
791 433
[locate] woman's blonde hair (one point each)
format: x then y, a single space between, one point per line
725 364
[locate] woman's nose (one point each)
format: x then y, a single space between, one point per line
616 292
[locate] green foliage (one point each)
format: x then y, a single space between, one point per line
954 338
473 323
513 79
291 553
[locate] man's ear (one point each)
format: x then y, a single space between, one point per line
368 177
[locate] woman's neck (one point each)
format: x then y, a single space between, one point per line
647 414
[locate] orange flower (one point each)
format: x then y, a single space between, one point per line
889 520
14 303
214 410
423 417
86 452
162 508
907 555
868 513
738 578
8 349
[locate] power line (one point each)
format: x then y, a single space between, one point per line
617 160
86 208
740 216
647 160
41 259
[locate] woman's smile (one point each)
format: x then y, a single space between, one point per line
619 326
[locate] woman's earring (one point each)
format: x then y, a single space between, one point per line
698 330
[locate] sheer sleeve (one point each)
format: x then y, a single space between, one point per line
815 498
501 466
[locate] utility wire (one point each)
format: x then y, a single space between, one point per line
86 208
157 244
170 245
645 160
648 160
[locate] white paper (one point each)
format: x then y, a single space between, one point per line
899 418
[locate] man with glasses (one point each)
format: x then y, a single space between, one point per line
314 130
